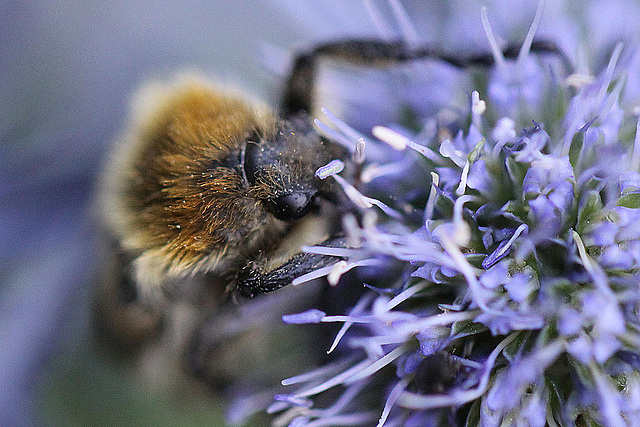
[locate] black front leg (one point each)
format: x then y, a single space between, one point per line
298 95
252 282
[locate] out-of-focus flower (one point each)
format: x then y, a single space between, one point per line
515 292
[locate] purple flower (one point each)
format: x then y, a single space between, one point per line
513 293
548 187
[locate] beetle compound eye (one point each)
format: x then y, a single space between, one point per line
251 160
292 205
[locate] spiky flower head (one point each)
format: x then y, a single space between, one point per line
511 275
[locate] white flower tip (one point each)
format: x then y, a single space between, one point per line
333 167
448 150
368 173
391 137
577 80
478 106
435 178
319 123
309 316
358 153
338 269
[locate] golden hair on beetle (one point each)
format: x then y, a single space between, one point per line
176 195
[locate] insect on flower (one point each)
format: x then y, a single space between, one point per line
208 197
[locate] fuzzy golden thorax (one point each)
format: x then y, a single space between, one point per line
203 180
